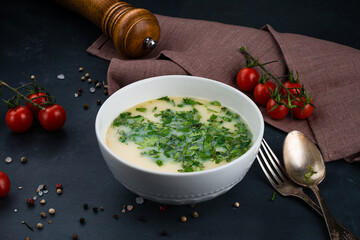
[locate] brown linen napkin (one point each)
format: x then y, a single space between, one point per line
209 49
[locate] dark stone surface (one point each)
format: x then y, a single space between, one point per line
41 38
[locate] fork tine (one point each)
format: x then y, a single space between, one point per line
268 167
274 161
265 171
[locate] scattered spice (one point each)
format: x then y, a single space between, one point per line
50 222
139 200
59 186
129 207
61 76
87 75
164 233
89 80
42 201
92 89
236 204
27 225
106 92
59 191
39 225
43 214
15 210
27 238
98 102
82 220
95 209
81 69
195 214
101 208
75 236
30 202
98 85
183 219
86 106
8 160
82 78
32 77
23 159
52 211
123 210
20 188
85 206
115 216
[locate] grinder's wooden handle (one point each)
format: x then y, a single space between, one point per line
134 31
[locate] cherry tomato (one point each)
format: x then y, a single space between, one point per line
279 112
300 113
4 184
53 117
262 93
36 98
247 78
291 87
19 119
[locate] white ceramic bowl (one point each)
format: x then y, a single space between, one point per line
179 188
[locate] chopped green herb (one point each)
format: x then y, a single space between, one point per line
273 196
180 136
308 175
141 109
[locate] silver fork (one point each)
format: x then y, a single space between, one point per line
277 177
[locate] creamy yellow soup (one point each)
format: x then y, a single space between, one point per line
177 134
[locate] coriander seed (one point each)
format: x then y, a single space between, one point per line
50 222
183 219
101 208
87 75
43 214
195 214
75 236
85 206
32 77
81 69
42 201
39 225
236 204
83 78
98 85
23 159
52 211
82 220
89 80
59 191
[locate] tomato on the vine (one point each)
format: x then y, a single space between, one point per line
292 87
247 78
4 184
53 117
19 119
279 112
302 112
262 93
36 98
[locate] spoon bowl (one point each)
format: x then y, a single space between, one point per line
303 160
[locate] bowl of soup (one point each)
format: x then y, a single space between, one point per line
179 139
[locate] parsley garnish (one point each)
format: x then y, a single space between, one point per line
308 175
180 136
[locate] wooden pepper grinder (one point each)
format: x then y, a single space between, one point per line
134 31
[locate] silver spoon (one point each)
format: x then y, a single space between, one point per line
305 166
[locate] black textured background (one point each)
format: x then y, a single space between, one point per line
41 38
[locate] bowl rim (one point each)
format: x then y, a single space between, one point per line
177 174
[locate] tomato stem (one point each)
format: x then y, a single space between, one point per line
19 95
